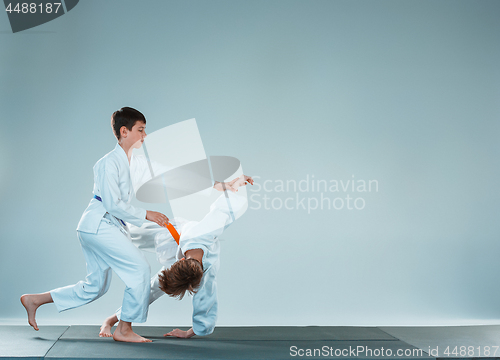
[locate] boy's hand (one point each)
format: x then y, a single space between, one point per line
241 181
248 179
233 185
181 334
223 186
156 217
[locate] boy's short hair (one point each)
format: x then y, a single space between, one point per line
127 117
184 275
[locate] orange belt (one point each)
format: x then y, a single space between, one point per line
174 232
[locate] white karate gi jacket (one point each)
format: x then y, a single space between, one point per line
112 183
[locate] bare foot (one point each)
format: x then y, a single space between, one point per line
129 337
107 325
30 305
125 333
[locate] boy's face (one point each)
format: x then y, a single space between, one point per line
136 136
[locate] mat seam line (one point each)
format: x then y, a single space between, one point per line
55 342
389 334
407 343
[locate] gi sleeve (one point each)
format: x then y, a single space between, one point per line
205 305
112 199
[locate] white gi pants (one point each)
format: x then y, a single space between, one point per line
143 237
154 294
109 249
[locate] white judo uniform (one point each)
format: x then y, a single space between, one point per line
106 242
193 235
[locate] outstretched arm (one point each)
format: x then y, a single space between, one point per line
234 184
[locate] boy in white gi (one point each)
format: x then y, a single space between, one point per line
197 260
105 238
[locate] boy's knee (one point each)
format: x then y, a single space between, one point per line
106 281
92 291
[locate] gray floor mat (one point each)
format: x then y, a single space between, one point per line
183 349
252 333
22 341
479 341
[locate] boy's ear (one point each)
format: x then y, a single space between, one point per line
123 131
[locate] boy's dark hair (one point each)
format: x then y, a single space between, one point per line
127 117
184 275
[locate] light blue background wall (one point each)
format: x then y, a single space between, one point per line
402 92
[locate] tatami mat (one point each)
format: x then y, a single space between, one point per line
19 341
263 342
452 341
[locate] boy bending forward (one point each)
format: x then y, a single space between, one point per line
192 265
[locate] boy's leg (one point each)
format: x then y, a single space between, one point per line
118 252
144 238
96 282
115 250
110 248
122 332
95 285
154 294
